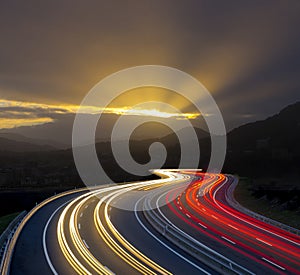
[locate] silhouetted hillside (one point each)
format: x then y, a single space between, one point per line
171 139
268 152
265 151
43 142
266 147
255 149
60 131
279 131
19 146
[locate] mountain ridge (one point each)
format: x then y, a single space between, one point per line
9 145
277 130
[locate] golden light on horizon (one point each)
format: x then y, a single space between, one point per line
156 113
6 123
18 113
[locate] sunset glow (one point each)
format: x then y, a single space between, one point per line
13 123
18 113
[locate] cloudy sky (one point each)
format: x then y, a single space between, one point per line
246 53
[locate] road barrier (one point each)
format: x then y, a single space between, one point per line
233 203
6 260
6 236
193 247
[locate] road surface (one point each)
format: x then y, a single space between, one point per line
106 231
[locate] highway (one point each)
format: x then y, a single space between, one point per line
255 245
115 229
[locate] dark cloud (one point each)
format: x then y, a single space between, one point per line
245 52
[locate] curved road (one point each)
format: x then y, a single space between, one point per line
105 231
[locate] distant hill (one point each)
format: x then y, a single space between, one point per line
278 131
172 138
19 146
59 133
261 149
43 142
269 147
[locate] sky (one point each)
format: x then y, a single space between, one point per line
52 53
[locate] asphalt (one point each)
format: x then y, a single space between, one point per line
28 256
244 251
29 253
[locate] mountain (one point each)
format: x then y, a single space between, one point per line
266 148
59 132
185 135
34 141
19 146
278 131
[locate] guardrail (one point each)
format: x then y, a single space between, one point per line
233 203
13 239
196 249
11 245
7 234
